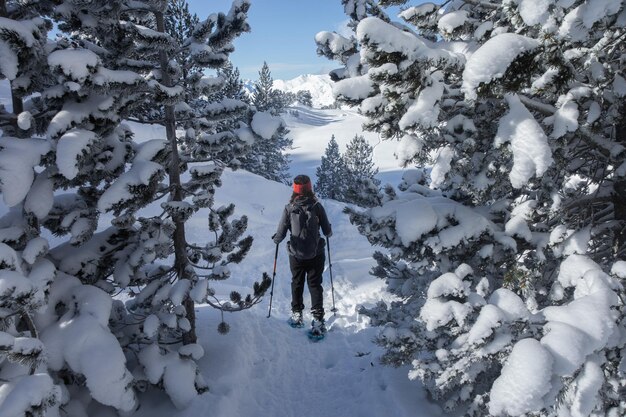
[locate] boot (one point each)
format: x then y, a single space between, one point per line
318 327
296 319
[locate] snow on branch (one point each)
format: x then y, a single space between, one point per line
492 60
377 35
529 144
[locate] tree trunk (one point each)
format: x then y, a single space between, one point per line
619 207
18 105
619 191
180 242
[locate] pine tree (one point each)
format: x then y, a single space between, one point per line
263 90
266 98
495 259
104 68
179 21
331 174
283 99
267 157
304 98
169 292
363 187
63 143
180 24
234 87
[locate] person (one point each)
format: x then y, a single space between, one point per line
303 217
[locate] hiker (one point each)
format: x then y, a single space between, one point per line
303 217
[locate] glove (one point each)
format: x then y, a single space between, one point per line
329 234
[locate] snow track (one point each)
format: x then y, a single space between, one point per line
274 370
265 368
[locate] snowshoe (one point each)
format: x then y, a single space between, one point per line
317 331
296 320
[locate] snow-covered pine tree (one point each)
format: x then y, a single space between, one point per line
267 156
22 32
304 98
264 98
54 323
363 186
332 173
514 253
106 68
179 24
233 86
162 312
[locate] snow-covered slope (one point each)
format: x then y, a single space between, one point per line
263 367
311 130
320 87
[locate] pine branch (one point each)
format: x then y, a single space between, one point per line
544 108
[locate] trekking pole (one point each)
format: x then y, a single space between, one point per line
269 313
330 269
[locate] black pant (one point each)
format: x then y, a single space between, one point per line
312 270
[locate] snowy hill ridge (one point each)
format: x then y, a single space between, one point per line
320 86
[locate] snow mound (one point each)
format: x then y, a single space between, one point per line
531 153
27 395
524 380
433 225
77 64
71 146
390 38
266 125
492 60
18 158
82 340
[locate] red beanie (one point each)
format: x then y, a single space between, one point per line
302 188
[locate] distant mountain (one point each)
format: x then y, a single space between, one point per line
248 87
320 87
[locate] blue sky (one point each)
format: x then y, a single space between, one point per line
283 33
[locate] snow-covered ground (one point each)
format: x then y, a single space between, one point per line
263 367
311 130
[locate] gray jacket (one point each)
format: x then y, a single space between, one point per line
285 222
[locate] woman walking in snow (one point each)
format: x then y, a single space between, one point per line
303 217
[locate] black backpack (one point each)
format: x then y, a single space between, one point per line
305 230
